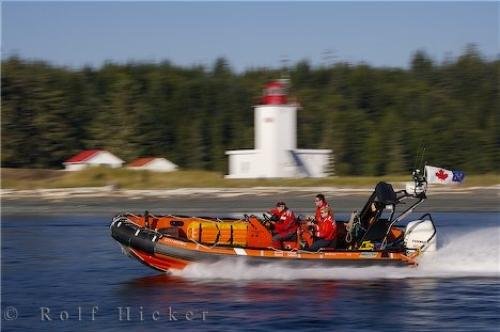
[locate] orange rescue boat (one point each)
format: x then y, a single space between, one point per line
370 237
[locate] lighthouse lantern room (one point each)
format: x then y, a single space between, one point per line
276 154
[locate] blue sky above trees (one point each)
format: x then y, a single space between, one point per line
247 34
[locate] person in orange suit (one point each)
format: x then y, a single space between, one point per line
285 225
325 231
320 202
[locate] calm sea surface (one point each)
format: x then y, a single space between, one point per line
65 273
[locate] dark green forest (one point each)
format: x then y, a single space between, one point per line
374 119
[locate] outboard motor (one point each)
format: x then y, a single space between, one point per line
420 235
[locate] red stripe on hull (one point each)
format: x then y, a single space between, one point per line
158 261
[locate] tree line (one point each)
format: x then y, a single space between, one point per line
375 120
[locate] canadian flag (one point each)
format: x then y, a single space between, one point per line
443 176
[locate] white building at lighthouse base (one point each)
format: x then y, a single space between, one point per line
297 163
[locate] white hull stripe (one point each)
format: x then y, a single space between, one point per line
240 251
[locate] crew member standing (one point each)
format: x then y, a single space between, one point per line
320 203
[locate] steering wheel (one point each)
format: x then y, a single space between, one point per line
267 222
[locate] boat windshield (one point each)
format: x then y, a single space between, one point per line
382 200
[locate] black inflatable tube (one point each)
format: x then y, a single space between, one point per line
125 234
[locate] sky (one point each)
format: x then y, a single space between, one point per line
247 34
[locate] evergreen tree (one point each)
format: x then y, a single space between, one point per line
374 119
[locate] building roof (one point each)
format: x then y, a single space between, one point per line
141 161
83 156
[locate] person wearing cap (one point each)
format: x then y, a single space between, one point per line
325 231
285 224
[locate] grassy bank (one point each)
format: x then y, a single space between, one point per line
123 178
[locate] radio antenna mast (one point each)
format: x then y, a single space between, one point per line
420 157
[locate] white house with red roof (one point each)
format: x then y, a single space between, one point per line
94 157
153 164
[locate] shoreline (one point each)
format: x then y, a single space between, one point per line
113 191
224 201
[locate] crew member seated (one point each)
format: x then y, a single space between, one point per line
285 225
325 231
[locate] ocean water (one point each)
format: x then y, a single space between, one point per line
65 273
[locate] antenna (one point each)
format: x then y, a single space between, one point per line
421 164
419 186
284 67
419 157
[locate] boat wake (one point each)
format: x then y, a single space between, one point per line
475 254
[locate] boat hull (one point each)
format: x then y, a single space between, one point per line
165 253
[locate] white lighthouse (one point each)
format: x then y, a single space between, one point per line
276 154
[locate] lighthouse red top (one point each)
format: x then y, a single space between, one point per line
274 94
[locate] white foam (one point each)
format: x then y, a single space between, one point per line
471 254
475 253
